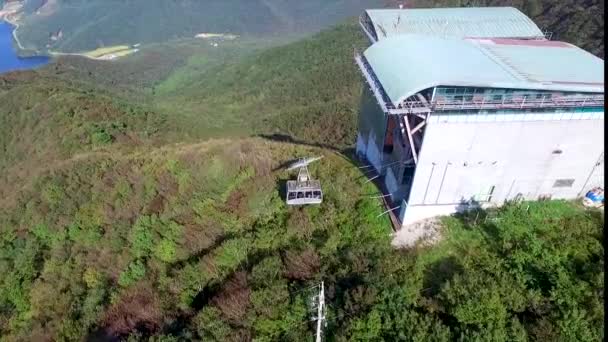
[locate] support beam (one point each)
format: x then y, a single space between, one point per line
411 140
371 179
415 110
422 99
419 126
388 211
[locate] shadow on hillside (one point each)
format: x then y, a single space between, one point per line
284 138
102 335
346 153
439 273
282 188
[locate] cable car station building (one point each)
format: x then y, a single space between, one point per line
475 106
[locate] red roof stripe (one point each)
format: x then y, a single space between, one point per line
530 42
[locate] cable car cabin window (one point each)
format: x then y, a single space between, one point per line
300 195
563 183
291 195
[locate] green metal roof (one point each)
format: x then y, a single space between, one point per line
502 22
410 63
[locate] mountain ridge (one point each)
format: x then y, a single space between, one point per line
87 25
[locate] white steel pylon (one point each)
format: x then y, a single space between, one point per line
319 305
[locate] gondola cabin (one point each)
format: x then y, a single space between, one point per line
304 190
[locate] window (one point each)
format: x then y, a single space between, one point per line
563 183
485 195
408 175
449 91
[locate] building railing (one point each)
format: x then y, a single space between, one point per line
367 27
520 102
373 82
414 105
407 107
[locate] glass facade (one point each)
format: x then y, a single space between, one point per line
533 101
496 94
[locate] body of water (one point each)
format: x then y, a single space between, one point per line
9 60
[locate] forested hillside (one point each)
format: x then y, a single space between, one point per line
193 242
309 90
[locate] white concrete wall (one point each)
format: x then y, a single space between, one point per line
372 152
461 160
361 147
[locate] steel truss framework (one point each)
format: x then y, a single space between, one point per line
411 118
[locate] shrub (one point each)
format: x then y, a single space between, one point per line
142 236
100 137
267 271
166 250
209 325
92 278
53 194
134 272
135 309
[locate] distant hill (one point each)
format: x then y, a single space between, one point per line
89 24
309 89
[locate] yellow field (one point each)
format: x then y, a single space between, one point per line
106 50
124 52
